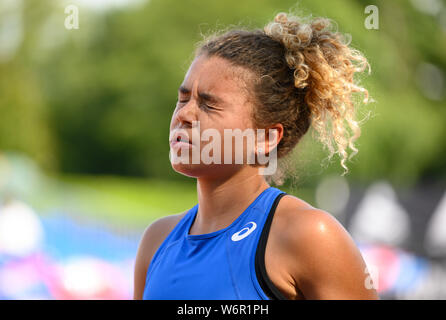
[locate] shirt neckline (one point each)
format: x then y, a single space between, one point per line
217 232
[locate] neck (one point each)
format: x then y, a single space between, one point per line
223 199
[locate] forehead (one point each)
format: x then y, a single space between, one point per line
217 76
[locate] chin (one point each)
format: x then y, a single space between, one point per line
189 170
203 170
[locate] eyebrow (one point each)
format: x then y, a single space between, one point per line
203 95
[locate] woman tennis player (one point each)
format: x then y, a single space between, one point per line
245 239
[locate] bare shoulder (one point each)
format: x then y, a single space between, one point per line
152 238
321 256
158 230
309 231
156 233
302 220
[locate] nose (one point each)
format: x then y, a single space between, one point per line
186 113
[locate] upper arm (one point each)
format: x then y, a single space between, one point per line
151 240
328 263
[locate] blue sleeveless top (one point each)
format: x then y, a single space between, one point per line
227 264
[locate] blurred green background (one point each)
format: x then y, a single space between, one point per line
90 108
98 100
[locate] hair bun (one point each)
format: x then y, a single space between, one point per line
323 62
293 32
295 35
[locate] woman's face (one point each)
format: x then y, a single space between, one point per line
211 98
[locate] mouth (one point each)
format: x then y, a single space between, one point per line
180 139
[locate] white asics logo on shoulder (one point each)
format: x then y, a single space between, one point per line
246 231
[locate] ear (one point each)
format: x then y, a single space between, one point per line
268 138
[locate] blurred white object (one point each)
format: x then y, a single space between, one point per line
332 195
21 231
82 277
88 277
435 237
380 218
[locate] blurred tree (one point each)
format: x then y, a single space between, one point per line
24 120
99 99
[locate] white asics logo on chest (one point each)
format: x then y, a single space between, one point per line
246 231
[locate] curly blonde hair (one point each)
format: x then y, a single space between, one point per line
304 76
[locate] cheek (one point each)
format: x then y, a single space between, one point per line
243 118
240 119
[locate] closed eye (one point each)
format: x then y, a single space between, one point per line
207 106
202 104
